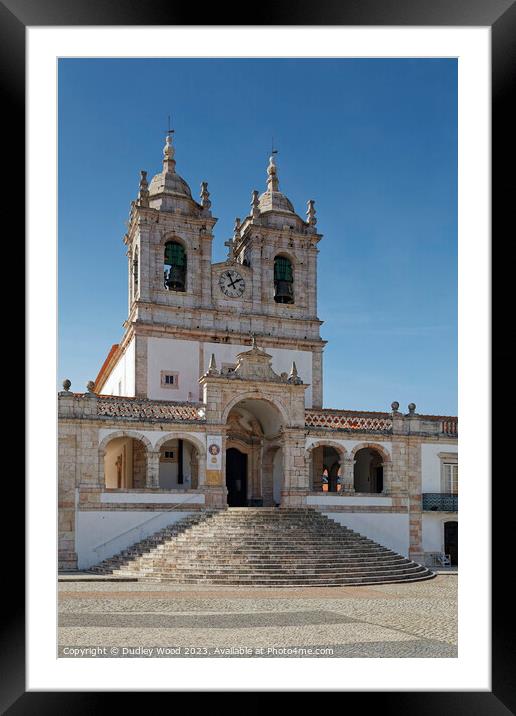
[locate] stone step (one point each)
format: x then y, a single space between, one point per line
254 582
261 546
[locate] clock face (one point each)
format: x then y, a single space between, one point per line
231 283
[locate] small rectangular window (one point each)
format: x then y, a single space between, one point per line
169 379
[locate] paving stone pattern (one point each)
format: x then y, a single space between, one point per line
408 620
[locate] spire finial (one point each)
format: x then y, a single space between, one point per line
272 171
205 198
255 205
168 150
143 191
294 376
236 229
212 368
310 214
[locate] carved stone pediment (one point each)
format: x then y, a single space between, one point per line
256 364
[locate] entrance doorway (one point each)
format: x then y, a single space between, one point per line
451 542
236 477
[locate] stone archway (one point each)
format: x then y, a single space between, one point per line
371 468
253 426
179 461
124 460
327 463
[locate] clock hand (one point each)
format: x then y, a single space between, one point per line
233 283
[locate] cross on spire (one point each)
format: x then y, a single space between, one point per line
273 151
169 130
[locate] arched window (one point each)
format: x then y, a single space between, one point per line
174 267
283 280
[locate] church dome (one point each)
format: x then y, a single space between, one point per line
275 201
169 183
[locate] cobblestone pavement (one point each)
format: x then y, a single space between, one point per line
396 620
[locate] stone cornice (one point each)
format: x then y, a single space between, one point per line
219 336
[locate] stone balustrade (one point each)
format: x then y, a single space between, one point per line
348 420
139 409
87 405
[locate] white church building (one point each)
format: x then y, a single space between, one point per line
214 395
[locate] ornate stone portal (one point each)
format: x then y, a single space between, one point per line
262 415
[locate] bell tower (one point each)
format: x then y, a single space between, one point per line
168 244
281 249
182 308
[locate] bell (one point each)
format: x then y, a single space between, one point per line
284 292
175 279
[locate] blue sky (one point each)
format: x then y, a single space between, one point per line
373 141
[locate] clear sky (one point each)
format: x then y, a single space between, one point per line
373 141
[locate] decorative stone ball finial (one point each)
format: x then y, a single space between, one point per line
90 385
66 384
411 408
395 406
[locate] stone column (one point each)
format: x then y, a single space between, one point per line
152 476
317 469
317 378
67 465
212 479
141 366
145 258
205 241
256 259
296 483
347 480
415 501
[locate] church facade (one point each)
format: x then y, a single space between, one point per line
214 395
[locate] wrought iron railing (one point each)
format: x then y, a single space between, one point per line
439 502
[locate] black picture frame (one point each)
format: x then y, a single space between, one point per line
500 15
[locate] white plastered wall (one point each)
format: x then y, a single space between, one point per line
182 356
388 529
431 464
101 534
174 355
121 381
433 530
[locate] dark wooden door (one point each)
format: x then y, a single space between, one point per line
236 477
451 545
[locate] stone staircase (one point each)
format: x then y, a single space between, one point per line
262 547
